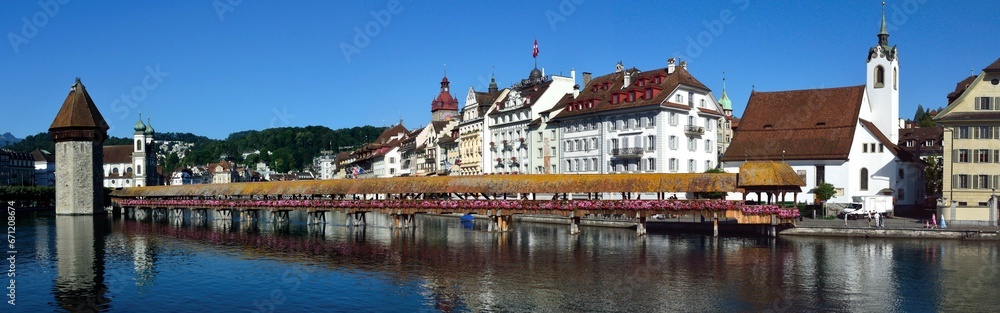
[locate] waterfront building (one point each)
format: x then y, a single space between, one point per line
971 152
632 121
507 129
79 131
45 167
386 157
543 139
407 154
132 165
16 168
327 165
223 172
844 136
470 139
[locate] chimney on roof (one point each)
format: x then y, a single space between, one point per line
628 80
670 66
684 64
586 78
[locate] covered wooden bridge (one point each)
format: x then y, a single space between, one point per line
495 196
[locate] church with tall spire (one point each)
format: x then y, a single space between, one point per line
133 165
844 136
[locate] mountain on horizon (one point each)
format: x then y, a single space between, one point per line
8 139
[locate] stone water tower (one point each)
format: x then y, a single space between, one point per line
79 132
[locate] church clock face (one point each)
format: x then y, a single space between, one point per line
447 116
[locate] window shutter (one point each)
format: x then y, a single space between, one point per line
975 156
975 182
996 100
978 101
954 156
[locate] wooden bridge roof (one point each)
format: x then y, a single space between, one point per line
754 175
550 183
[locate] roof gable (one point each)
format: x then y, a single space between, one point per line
797 125
117 154
599 94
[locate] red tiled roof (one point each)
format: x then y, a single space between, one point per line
117 154
78 117
813 124
960 88
397 130
995 66
531 94
614 83
40 156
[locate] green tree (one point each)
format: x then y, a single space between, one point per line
824 191
933 173
171 162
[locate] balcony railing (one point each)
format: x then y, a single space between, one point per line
694 130
634 152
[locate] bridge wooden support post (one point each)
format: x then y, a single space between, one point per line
574 225
640 223
280 216
224 214
502 223
199 215
715 224
177 213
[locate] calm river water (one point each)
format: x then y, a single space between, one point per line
117 265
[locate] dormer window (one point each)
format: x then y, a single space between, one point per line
593 89
768 126
680 99
821 124
631 96
614 99
658 79
649 93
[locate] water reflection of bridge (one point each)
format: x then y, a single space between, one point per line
496 197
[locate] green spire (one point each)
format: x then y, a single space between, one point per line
149 128
139 126
724 101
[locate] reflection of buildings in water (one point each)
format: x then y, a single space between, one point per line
43 252
144 261
969 275
79 284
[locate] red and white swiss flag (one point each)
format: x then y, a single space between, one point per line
534 52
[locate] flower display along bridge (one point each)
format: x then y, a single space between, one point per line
496 196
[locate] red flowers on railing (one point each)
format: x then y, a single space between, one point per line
531 205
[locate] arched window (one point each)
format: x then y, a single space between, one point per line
138 169
879 76
895 78
864 179
138 145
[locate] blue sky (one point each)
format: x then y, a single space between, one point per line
213 67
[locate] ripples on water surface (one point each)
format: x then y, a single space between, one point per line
70 263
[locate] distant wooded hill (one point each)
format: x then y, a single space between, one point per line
292 148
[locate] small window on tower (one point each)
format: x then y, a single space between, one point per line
879 76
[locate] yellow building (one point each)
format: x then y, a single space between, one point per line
972 149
